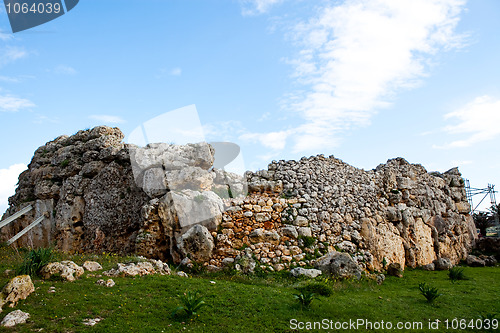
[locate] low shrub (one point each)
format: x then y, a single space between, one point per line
430 293
317 288
191 303
305 297
456 274
34 261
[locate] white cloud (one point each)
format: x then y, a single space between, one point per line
8 181
64 69
355 55
165 72
107 118
177 71
273 140
10 54
5 36
264 117
42 119
461 162
9 79
255 7
223 130
478 121
13 104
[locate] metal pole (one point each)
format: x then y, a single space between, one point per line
25 230
15 216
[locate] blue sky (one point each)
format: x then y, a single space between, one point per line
364 80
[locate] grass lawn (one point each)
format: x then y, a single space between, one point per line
247 304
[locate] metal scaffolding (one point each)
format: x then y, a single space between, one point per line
485 192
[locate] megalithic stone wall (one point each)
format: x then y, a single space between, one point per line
398 211
169 204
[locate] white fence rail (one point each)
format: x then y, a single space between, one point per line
25 230
13 217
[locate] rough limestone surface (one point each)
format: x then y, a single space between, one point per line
398 211
100 194
91 266
395 269
17 289
442 264
339 265
144 267
197 243
68 270
132 269
14 318
475 261
310 273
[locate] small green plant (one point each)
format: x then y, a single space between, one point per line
456 273
191 303
64 163
430 293
317 288
199 198
305 297
229 192
307 240
34 261
384 263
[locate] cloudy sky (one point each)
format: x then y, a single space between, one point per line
364 80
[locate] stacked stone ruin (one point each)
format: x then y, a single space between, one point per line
165 201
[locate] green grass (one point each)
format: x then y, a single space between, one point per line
238 303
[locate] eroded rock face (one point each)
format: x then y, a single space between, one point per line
17 289
101 195
84 186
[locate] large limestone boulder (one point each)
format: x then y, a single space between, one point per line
14 318
193 207
91 266
131 269
145 267
338 264
171 156
68 270
442 264
17 289
197 243
310 273
383 241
